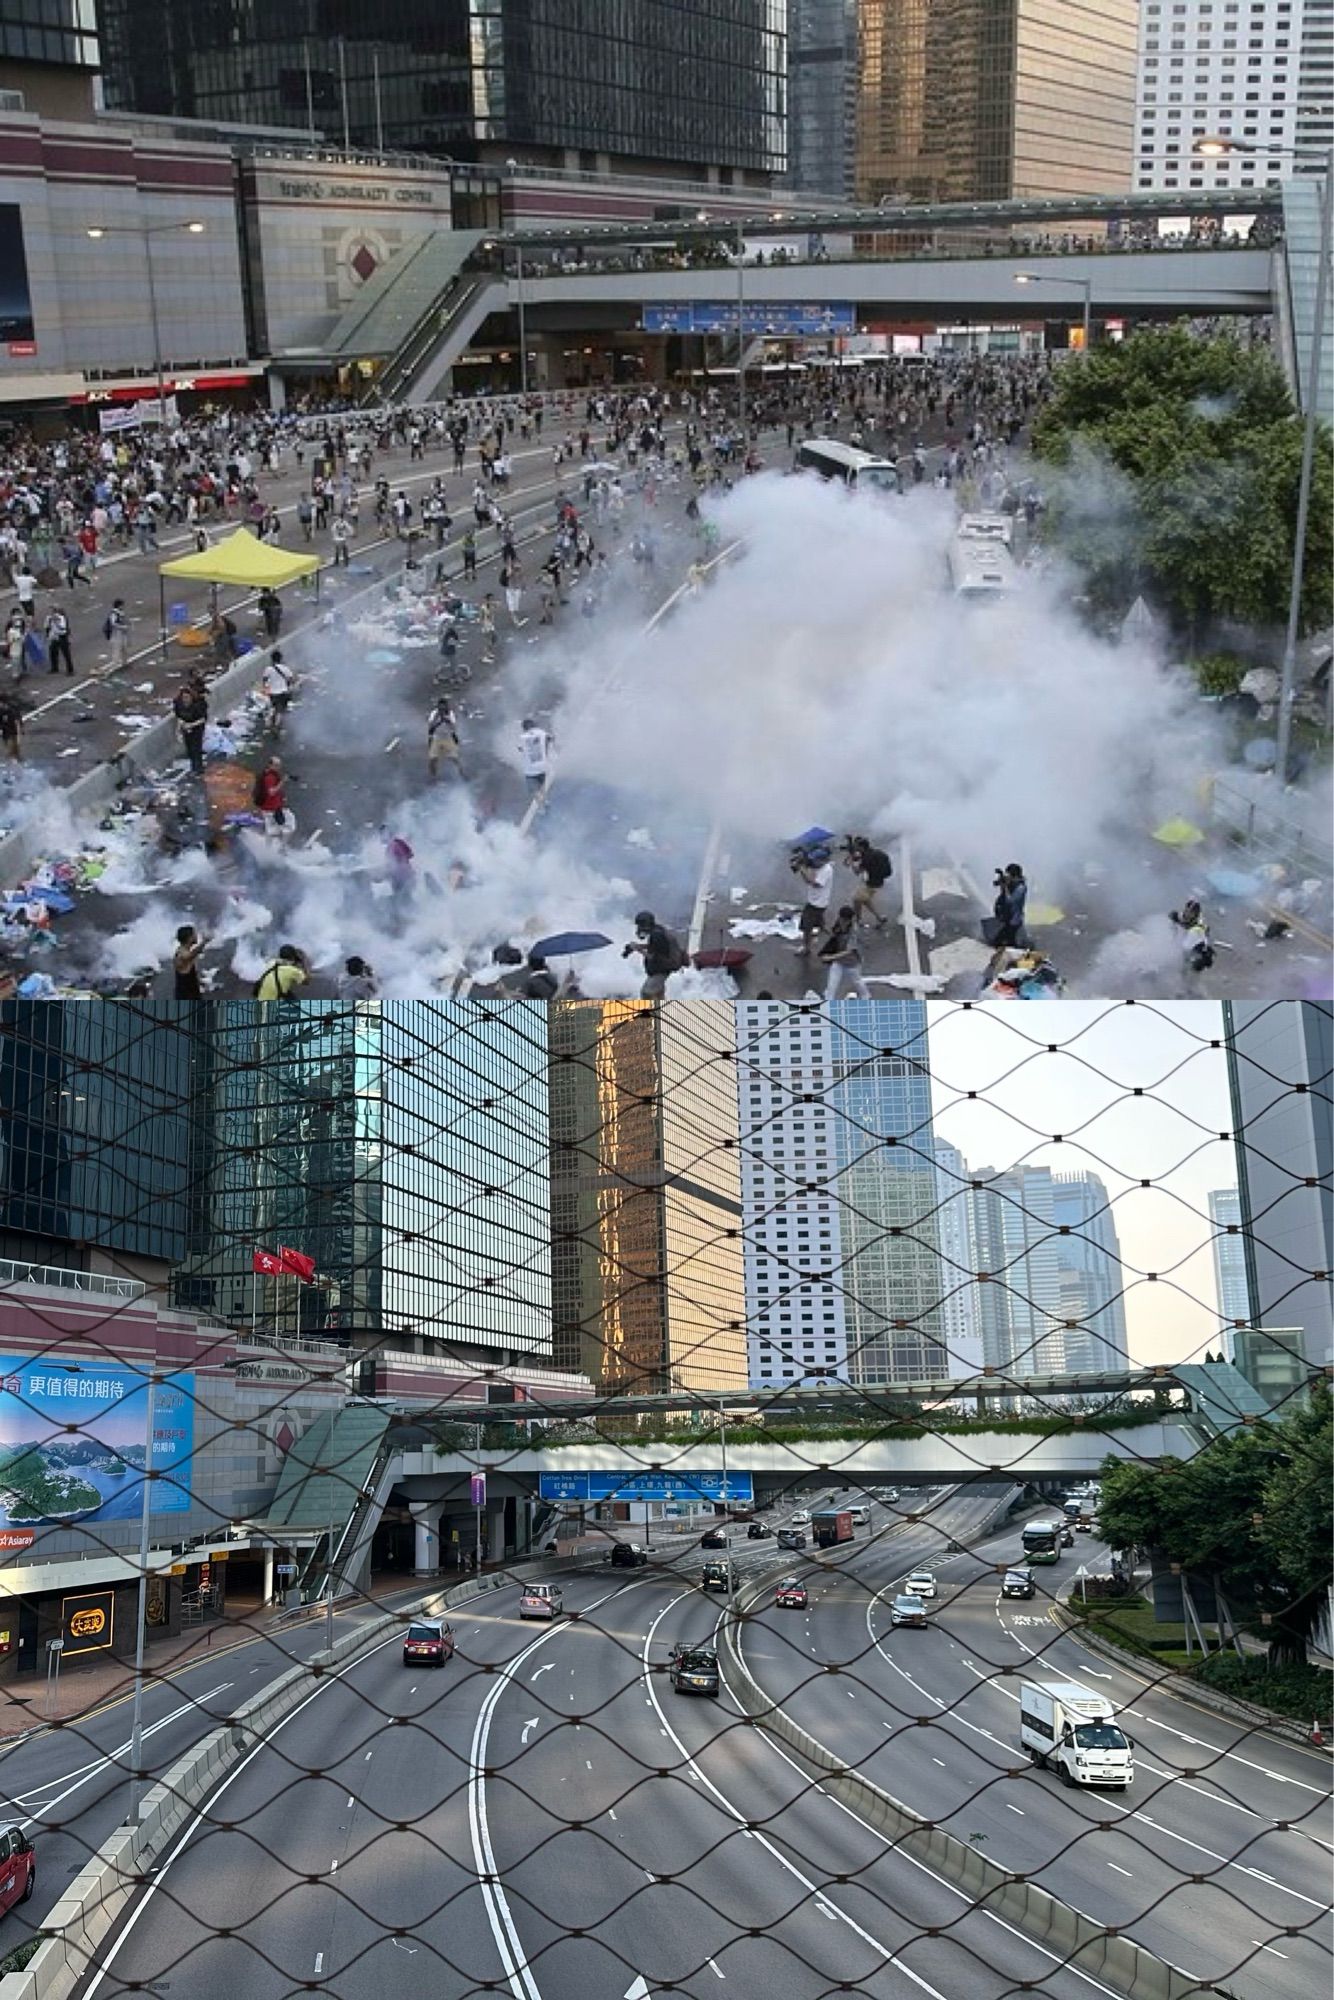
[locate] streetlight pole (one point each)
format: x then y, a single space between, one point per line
1287 692
146 231
1085 285
145 1512
727 1516
523 330
741 335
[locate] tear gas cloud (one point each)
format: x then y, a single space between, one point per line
825 675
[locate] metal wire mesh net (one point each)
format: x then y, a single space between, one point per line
642 1498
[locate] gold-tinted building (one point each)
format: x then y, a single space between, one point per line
980 100
648 1274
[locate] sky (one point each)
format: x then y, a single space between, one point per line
1084 1091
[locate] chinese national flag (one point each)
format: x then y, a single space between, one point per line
269 1262
297 1263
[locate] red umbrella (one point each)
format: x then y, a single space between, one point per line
730 958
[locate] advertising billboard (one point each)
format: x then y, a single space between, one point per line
16 324
72 1441
87 1622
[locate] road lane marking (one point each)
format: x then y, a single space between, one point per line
319 1963
711 1962
1015 1809
1269 1947
1120 1871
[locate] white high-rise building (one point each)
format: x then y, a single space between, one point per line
1230 1274
1258 71
796 1324
960 1326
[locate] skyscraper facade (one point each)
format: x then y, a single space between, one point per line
1281 1072
984 99
791 1202
403 1147
648 1273
957 1234
1019 1290
563 82
822 96
1230 1274
94 1118
1258 71
884 1159
1092 1281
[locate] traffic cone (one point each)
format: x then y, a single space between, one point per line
1317 1734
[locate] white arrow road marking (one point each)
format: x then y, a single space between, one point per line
639 1991
543 1670
527 1727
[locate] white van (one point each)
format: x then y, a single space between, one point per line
1065 1726
861 1516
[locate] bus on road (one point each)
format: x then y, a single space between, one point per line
860 471
1042 1542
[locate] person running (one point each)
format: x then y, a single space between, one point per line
288 973
873 868
270 798
442 739
190 708
535 747
842 953
817 872
190 947
279 684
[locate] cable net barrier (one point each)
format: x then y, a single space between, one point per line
639 1499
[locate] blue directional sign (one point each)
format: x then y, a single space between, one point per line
777 319
589 1487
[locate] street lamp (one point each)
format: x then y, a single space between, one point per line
1085 285
1214 147
146 231
741 335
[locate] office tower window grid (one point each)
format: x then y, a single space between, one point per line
376 1483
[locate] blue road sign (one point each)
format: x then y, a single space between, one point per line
590 1487
778 319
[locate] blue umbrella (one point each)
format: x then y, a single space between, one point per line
814 836
564 944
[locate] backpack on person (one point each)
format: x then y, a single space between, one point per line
108 627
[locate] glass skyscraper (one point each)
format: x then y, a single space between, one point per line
402 1146
648 1279
893 1278
94 1122
569 82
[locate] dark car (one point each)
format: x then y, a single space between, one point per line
1018 1583
717 1576
790 1538
1067 1535
713 1538
427 1643
627 1555
694 1670
758 1531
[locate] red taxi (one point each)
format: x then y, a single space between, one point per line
427 1643
791 1595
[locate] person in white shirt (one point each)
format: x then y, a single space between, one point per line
817 872
535 746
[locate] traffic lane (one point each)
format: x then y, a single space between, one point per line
235 1900
851 1873
882 1734
69 1786
645 1857
1276 1778
1164 1856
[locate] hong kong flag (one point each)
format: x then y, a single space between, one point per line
297 1263
268 1262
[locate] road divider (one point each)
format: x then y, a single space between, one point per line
76 1928
1077 1940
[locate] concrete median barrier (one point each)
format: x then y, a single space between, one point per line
1077 1940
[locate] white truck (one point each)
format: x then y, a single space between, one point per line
1066 1727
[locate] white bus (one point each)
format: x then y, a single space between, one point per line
856 469
980 568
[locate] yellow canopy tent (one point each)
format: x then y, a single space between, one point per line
242 561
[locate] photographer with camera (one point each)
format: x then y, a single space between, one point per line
873 868
661 952
816 870
1005 927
